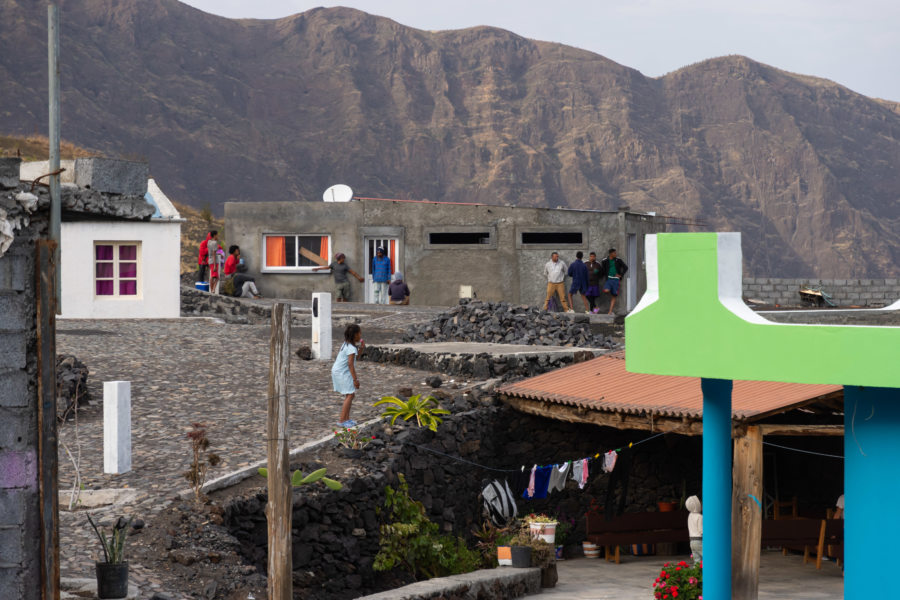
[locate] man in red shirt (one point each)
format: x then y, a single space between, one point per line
203 258
233 260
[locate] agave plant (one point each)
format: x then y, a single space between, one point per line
425 410
298 478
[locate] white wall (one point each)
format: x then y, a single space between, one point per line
159 290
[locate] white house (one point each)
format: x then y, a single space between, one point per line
118 269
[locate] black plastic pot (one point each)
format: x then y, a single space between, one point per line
112 580
521 556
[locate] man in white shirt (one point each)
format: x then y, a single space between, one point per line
555 270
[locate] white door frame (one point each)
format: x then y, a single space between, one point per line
369 252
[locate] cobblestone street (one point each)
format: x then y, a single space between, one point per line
185 371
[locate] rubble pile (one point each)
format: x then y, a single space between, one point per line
71 384
504 323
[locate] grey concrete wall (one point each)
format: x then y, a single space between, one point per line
504 269
19 501
845 292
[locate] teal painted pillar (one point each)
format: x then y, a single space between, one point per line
716 488
871 490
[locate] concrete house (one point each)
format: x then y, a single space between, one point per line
117 267
445 250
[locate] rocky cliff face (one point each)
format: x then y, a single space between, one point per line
245 110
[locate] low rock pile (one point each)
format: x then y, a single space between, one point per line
504 323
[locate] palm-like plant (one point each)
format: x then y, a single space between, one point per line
298 478
425 410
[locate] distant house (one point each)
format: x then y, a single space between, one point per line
114 268
445 250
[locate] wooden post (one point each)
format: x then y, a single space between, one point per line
746 515
278 508
48 462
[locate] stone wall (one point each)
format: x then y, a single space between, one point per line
335 534
19 516
479 366
844 292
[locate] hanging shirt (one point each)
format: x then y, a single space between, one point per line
609 461
529 491
580 472
542 482
558 477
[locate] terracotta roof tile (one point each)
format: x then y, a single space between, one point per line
603 384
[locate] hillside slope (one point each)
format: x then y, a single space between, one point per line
250 110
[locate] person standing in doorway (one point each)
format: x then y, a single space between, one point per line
203 257
579 274
594 277
381 276
339 269
613 269
555 271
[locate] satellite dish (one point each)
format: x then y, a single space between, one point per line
338 193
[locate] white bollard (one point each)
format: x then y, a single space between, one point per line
116 427
321 326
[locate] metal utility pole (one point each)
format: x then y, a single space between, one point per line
55 202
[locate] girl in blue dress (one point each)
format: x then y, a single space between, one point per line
343 372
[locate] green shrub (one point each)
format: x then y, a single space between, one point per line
425 410
412 542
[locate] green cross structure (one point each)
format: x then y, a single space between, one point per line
693 322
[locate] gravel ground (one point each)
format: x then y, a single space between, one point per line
195 370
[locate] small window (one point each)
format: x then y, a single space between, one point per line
116 269
460 237
295 252
552 237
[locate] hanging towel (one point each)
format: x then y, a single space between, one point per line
609 461
542 481
558 477
580 472
529 491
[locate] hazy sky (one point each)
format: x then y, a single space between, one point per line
853 42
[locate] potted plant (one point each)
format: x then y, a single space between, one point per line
542 526
350 442
679 580
563 530
540 554
112 573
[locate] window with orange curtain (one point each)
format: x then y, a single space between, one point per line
296 253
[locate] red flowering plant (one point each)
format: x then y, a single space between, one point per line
352 438
679 580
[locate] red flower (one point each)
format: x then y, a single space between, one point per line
675 594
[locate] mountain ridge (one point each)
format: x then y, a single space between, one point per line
281 109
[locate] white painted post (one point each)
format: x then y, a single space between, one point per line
116 427
321 326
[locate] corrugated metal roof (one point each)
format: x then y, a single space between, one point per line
603 384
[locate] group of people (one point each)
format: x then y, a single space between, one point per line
225 275
388 288
586 279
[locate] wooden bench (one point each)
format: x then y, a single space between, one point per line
636 528
806 534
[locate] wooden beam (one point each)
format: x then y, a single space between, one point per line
800 430
314 257
746 515
48 461
618 420
278 508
